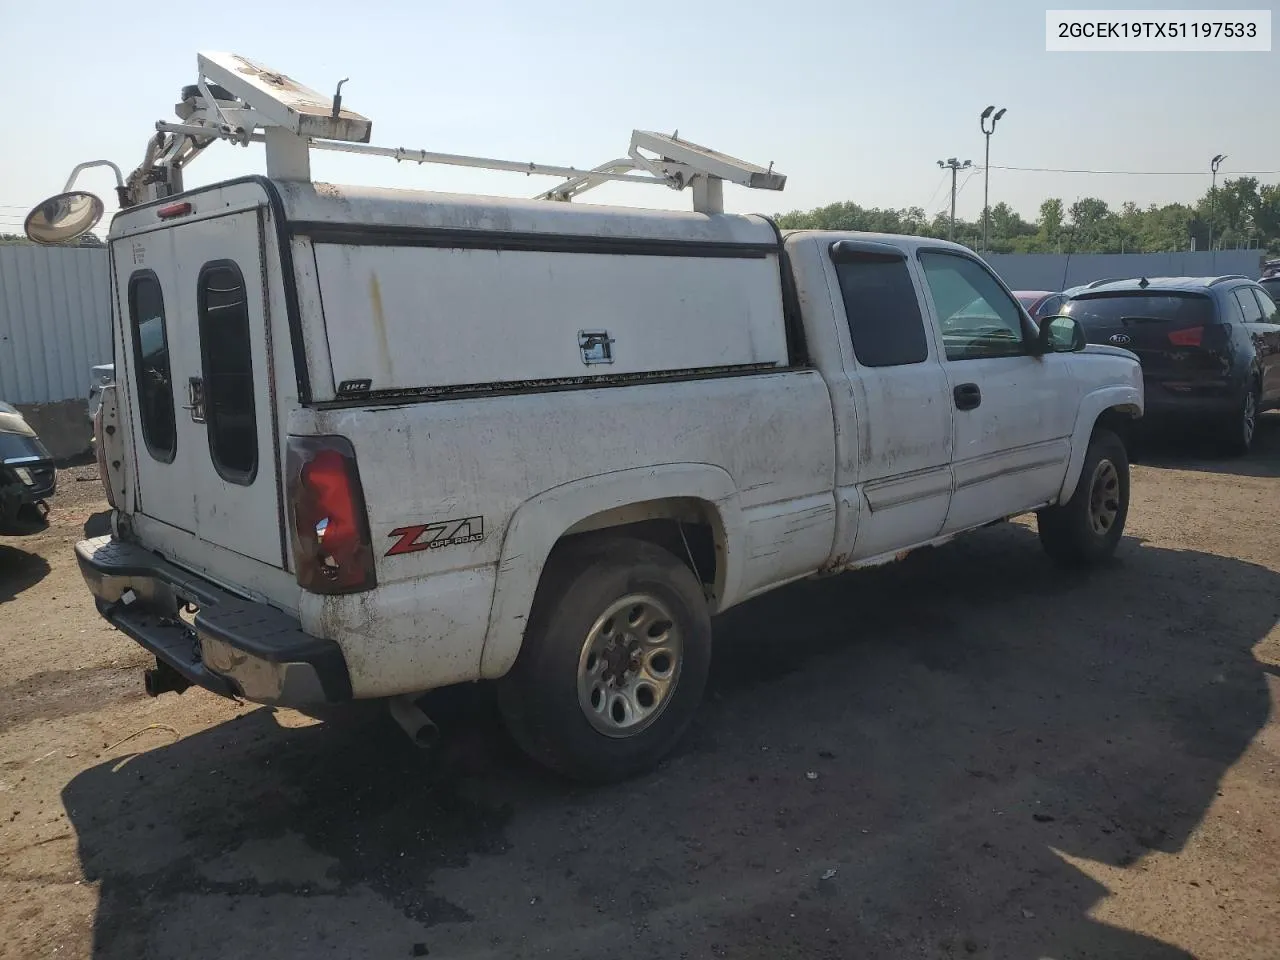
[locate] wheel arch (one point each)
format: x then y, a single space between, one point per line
1114 408
638 501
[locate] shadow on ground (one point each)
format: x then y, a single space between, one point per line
19 570
933 732
98 524
1176 449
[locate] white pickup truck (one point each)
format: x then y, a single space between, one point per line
366 443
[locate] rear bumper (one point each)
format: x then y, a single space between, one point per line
234 647
1204 400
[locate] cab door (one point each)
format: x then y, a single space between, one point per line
1014 411
894 418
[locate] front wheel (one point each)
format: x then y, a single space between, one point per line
614 660
1087 528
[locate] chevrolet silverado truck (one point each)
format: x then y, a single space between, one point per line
365 443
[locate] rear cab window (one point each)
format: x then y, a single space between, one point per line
227 359
151 365
881 308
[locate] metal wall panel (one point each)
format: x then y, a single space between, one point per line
1057 271
55 321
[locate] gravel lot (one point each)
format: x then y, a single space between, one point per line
968 754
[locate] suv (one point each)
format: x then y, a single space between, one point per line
1209 346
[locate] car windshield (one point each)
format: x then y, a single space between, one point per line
1113 309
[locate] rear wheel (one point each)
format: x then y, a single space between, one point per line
1087 528
614 660
1239 429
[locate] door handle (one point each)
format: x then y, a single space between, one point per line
967 396
195 393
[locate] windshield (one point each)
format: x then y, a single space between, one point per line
1114 308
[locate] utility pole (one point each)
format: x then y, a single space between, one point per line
955 166
986 168
1214 164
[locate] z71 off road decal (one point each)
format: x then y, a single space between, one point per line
432 536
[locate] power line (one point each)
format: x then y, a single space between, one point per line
933 196
1139 173
960 190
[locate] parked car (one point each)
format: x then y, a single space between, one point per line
1271 268
1041 303
27 474
1272 286
1209 347
400 440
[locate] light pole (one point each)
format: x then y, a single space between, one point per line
954 166
986 166
1214 164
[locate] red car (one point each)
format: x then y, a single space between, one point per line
1041 303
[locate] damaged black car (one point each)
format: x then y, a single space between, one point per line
27 474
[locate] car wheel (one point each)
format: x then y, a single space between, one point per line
614 660
1238 432
1087 528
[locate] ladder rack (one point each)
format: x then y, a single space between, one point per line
237 100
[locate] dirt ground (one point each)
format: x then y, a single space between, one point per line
968 754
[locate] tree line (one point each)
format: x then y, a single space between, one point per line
1241 213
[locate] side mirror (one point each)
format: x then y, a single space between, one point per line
1060 334
64 217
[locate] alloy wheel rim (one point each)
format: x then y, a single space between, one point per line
629 665
1104 497
1250 417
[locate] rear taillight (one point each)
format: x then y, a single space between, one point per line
1190 337
101 452
332 550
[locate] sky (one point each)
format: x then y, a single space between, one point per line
851 100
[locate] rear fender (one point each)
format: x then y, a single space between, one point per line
1124 398
540 522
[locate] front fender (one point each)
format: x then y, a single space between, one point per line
542 520
1126 397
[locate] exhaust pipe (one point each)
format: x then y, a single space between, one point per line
162 678
421 729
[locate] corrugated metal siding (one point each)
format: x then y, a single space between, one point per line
55 321
1057 271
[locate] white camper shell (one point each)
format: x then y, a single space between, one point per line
383 441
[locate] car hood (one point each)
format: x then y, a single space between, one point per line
11 421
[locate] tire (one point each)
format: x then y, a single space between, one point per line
1087 528
575 700
1239 430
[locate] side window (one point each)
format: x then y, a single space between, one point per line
978 319
882 309
1268 306
228 372
151 365
1249 304
1050 307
